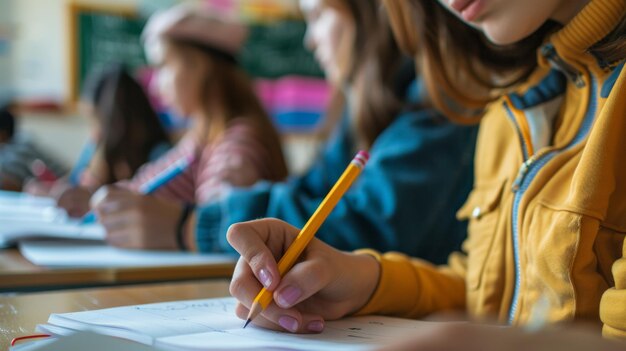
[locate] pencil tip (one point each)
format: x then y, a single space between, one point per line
247 322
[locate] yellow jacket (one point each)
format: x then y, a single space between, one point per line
548 209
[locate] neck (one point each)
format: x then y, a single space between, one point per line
568 10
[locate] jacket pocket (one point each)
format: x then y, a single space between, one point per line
567 258
482 209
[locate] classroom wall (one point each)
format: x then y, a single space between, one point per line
62 136
40 53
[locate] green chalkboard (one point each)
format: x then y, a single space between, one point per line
107 38
103 35
100 35
277 49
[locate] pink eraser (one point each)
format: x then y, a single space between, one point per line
361 158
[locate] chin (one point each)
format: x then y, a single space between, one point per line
503 35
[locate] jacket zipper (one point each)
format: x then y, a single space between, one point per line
533 164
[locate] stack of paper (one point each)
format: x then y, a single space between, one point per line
211 324
11 197
23 216
26 220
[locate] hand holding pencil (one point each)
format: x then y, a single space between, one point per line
131 219
311 283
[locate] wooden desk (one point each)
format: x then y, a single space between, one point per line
18 274
20 314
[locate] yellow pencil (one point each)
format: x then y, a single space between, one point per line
264 298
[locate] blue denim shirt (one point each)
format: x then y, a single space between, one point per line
419 174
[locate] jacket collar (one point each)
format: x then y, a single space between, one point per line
594 22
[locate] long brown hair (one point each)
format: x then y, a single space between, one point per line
227 93
462 69
612 49
371 62
130 128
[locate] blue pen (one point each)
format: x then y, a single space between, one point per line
171 172
152 185
83 161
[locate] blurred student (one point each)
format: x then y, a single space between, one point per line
126 134
546 214
20 158
416 156
232 140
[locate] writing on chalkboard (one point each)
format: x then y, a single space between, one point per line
105 38
277 49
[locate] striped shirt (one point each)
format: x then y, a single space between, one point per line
239 157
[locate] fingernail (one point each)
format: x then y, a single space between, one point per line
315 326
288 296
288 323
266 278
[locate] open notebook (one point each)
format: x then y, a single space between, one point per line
23 216
211 324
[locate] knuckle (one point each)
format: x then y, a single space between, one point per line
274 222
233 231
257 259
235 286
315 273
104 192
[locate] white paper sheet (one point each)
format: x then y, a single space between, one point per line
23 216
32 213
13 231
63 253
12 198
211 324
